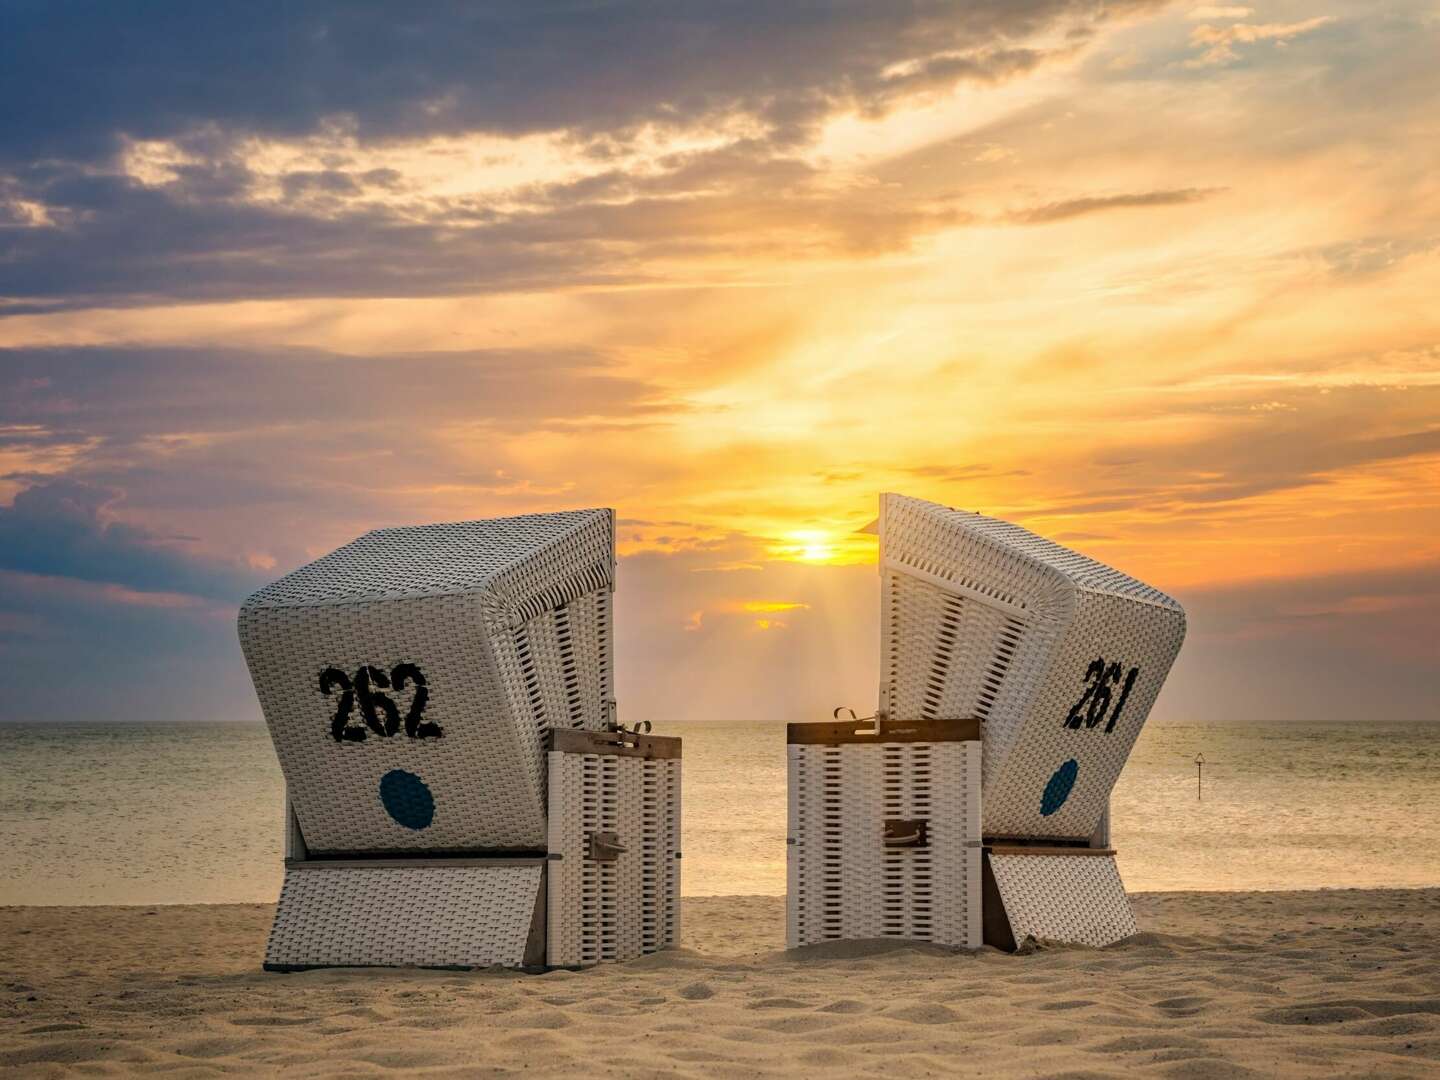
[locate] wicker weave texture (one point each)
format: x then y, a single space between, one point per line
601 911
1069 898
1140 637
509 622
982 618
519 561
844 882
462 916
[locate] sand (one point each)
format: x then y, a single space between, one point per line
1342 982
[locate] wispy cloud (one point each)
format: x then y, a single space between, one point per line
1219 43
1212 11
1071 208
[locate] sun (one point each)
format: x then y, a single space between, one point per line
809 545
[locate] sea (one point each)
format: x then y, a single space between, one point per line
121 813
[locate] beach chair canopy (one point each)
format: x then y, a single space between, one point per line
408 678
1059 656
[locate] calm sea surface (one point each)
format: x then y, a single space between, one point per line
151 814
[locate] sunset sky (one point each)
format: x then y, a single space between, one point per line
1158 281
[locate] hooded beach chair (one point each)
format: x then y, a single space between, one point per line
1055 659
458 792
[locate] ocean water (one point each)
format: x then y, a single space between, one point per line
191 813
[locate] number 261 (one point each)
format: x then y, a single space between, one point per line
1091 708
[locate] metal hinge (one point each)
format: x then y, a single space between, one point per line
604 847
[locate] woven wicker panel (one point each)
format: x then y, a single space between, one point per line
659 855
606 911
516 559
512 640
463 916
980 617
1071 898
556 664
928 536
1140 637
815 862
969 647
844 882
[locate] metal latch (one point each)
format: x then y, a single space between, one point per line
907 833
604 847
874 721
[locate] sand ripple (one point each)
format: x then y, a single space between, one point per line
1217 985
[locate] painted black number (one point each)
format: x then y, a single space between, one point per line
415 726
378 710
1124 693
1095 701
330 680
1095 671
367 679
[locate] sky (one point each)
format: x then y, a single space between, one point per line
1158 281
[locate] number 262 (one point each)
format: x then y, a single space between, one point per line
379 711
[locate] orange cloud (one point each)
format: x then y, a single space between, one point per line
1219 41
1182 320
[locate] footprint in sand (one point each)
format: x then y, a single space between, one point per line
778 1003
844 1007
1049 1036
1130 1044
827 1056
272 1021
1207 1068
1314 1014
1187 1005
403 1060
1062 1006
59 1053
213 1048
924 1014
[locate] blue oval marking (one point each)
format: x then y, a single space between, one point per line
1058 789
407 799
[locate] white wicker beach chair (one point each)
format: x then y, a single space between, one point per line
441 701
1060 658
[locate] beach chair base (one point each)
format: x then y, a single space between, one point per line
614 843
607 888
884 833
1062 894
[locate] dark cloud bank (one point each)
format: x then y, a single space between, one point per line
80 79
75 75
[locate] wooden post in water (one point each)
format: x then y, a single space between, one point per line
1199 769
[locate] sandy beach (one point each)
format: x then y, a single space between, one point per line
1343 982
